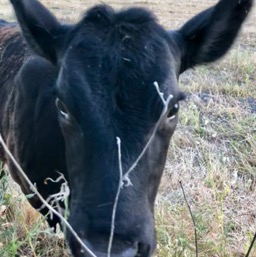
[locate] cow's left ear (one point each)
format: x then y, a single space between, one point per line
208 36
39 27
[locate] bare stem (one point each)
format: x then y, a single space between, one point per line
33 188
120 185
165 110
251 246
124 179
192 216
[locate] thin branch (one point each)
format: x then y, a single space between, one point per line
166 102
58 197
251 246
124 179
120 186
33 188
192 216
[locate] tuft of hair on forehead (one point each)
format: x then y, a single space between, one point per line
105 14
99 13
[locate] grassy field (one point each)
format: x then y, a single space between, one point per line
213 153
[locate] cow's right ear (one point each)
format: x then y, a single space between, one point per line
39 27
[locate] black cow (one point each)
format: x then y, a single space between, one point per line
89 83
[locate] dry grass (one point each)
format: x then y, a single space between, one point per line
23 231
213 152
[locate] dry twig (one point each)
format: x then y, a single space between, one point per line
124 179
251 246
192 216
120 185
165 110
51 209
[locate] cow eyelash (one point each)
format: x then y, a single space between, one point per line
62 108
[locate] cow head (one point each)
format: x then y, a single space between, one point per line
108 65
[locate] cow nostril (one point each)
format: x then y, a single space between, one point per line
143 250
98 246
119 248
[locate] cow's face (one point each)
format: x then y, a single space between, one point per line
109 65
107 89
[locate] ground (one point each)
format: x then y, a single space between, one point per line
213 153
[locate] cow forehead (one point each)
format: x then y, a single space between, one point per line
117 56
108 44
133 32
102 75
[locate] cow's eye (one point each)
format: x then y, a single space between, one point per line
173 111
62 108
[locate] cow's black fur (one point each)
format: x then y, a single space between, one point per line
100 74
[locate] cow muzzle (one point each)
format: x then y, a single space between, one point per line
99 246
